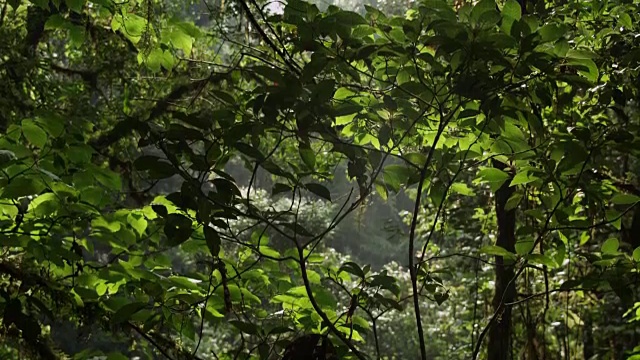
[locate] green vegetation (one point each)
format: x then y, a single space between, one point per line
249 180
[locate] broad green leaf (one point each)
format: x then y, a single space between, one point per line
6 156
132 26
22 186
343 93
55 21
319 190
345 119
181 40
117 356
524 247
610 246
495 177
245 327
75 5
552 32
497 251
51 122
124 313
462 189
213 240
107 178
512 10
76 35
167 60
155 59
352 268
314 67
441 297
34 133
625 199
185 282
636 254
625 20
586 68
513 201
395 176
308 156
523 178
177 228
269 73
581 54
540 259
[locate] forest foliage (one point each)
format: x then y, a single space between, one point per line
214 180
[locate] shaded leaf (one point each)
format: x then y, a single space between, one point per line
319 190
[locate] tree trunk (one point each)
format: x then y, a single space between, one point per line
505 290
587 338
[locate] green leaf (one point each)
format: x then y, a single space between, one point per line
280 188
441 297
352 268
44 4
269 73
177 228
133 26
586 68
386 282
34 133
55 21
181 40
495 177
523 247
497 251
245 327
523 178
636 254
395 176
625 199
540 259
512 10
76 35
167 61
345 119
349 18
308 156
552 32
314 67
75 5
625 20
161 210
513 201
14 3
51 122
610 246
6 156
581 54
481 8
462 189
107 178
186 283
319 190
249 151
125 312
22 186
213 240
154 60
117 356
323 91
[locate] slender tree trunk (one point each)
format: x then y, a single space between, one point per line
587 338
505 290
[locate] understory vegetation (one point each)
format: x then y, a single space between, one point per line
244 179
